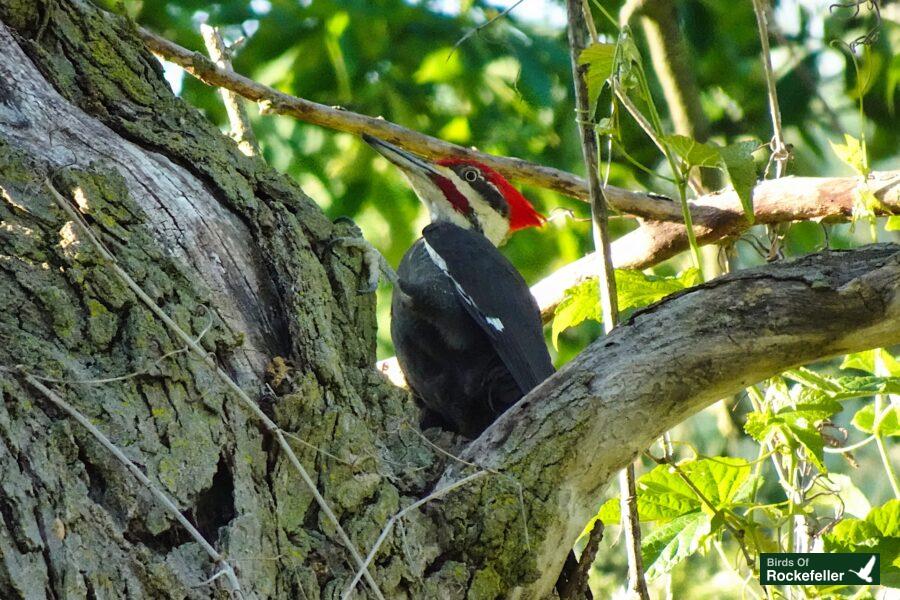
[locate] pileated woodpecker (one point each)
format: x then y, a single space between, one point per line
466 329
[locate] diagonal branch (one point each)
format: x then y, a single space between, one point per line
641 204
719 216
566 440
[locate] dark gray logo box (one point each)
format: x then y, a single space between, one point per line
837 568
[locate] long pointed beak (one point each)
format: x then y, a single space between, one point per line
407 161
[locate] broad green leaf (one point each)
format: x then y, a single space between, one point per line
610 512
850 534
738 160
856 387
719 479
759 424
694 153
581 303
672 542
853 153
886 518
864 420
879 532
599 59
438 66
810 414
810 438
877 362
893 223
811 379
663 495
634 289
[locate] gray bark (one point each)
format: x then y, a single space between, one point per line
218 239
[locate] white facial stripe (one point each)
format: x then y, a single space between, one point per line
493 225
441 264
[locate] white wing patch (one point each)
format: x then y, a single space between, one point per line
495 322
441 264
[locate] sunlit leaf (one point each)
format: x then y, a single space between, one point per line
889 426
599 59
438 66
853 153
694 153
718 479
738 160
663 495
634 289
879 532
672 542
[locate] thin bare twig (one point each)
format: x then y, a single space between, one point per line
224 568
476 30
241 130
780 152
393 521
254 408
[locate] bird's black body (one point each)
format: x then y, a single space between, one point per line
466 328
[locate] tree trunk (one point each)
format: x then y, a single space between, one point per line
239 257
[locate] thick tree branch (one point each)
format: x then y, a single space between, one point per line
565 440
719 216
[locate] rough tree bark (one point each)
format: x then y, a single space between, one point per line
238 254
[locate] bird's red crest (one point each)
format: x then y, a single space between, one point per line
521 213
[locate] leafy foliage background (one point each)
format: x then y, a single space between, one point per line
507 90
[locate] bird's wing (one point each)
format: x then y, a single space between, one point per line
864 573
496 297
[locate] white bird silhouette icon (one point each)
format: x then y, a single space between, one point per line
866 572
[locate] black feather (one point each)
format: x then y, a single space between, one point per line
496 296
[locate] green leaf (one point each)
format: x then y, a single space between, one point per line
856 387
663 495
864 420
810 438
694 153
879 532
759 424
893 223
600 59
738 160
718 479
672 542
853 153
610 512
581 302
877 362
886 518
634 289
439 66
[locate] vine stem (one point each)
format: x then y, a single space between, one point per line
780 153
880 413
580 22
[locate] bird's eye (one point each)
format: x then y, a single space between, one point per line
471 175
